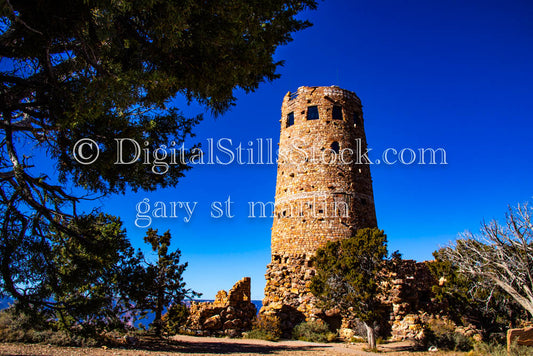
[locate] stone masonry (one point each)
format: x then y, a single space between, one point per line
230 314
407 298
323 192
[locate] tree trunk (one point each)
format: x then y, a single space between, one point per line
526 303
158 312
371 336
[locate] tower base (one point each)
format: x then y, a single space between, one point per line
287 293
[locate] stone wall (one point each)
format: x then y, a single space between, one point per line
407 297
230 314
287 292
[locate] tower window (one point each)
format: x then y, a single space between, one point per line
356 119
290 119
335 147
312 113
337 112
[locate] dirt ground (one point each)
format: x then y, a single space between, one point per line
190 345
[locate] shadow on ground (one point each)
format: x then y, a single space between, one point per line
222 347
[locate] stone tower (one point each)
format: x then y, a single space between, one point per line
323 192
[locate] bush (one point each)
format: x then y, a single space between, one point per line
265 327
358 339
175 317
19 327
442 334
314 331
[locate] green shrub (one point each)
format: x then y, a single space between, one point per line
265 327
442 334
19 327
449 341
358 339
314 331
175 317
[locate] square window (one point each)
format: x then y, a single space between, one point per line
337 112
335 147
312 113
290 119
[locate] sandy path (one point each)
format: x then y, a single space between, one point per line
190 345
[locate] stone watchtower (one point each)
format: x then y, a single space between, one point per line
322 192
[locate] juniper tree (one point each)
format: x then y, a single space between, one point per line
348 277
501 255
164 284
78 277
467 300
73 69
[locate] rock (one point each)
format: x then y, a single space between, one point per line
237 323
232 333
522 337
228 325
409 327
212 323
346 334
130 340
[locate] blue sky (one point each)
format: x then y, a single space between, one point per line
450 74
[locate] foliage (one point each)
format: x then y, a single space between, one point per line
501 255
467 300
95 280
163 285
495 349
74 278
105 70
313 331
348 276
265 327
90 271
175 317
357 339
16 326
442 334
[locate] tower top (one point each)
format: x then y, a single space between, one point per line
314 108
333 92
